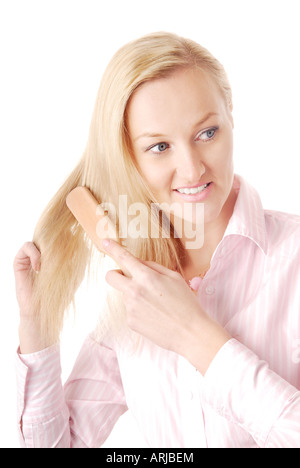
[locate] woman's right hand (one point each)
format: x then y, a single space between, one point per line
27 259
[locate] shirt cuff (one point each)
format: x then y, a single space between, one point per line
39 388
243 389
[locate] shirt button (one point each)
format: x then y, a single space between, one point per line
210 290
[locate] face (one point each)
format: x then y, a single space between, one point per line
181 136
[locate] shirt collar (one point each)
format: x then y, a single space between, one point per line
248 218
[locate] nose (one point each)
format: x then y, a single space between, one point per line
189 165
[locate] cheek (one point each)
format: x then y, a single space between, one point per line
222 158
157 176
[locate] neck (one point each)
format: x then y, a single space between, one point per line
197 261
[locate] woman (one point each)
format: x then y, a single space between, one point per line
215 364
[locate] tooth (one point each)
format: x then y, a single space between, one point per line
194 190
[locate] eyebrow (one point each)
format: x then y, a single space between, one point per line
160 135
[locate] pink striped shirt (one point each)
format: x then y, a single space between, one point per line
248 398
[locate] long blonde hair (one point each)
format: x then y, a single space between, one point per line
108 170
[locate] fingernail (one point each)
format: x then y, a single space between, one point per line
105 243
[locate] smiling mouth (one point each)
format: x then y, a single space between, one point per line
194 190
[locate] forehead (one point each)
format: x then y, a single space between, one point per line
182 97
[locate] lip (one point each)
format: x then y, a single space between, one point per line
197 196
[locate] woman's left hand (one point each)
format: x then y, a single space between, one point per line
161 306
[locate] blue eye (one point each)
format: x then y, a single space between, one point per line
159 148
207 134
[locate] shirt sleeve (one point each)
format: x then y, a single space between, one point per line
242 388
79 415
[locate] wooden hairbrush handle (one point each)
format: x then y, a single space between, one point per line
89 214
91 217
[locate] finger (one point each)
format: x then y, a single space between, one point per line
28 255
128 263
117 280
160 268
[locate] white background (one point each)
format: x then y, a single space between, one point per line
52 57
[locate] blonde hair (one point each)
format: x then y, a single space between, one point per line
108 170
